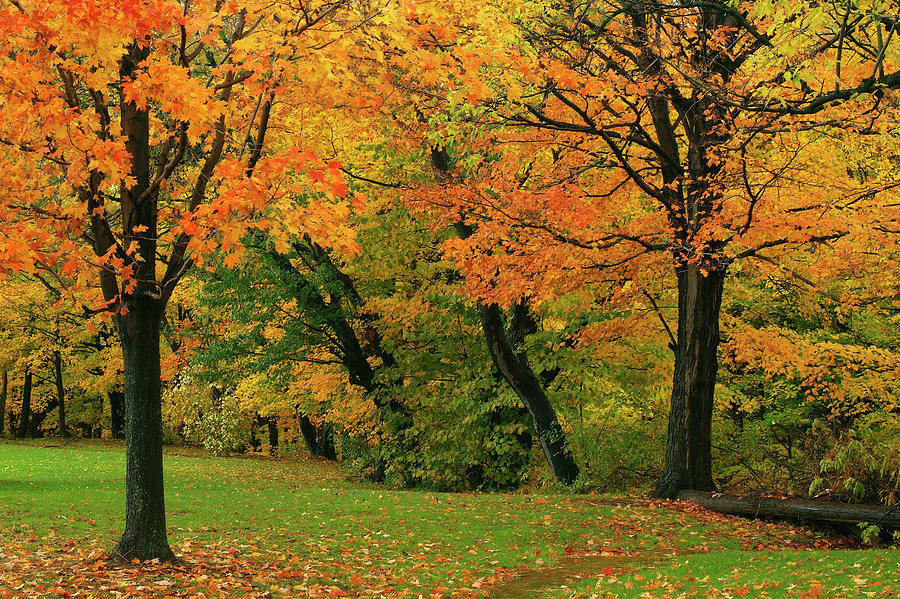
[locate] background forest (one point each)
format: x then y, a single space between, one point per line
461 245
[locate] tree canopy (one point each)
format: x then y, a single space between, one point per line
454 244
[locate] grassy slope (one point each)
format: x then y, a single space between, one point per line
248 527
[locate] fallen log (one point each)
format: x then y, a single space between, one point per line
824 512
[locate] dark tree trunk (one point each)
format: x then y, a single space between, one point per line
319 441
145 518
138 318
798 510
514 367
340 285
117 414
26 406
60 394
688 444
331 315
3 393
348 346
518 373
309 435
528 388
272 423
254 437
215 396
326 443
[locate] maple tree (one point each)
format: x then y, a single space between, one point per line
505 347
410 403
580 167
415 93
635 130
39 332
134 137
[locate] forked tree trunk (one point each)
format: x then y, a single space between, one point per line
26 405
688 444
319 441
528 388
145 516
60 393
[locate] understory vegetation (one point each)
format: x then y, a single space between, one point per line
805 405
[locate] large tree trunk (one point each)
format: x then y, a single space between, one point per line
117 414
309 435
688 445
3 393
145 518
60 393
26 405
138 319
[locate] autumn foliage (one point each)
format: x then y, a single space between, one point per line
446 243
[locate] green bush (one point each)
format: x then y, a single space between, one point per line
203 415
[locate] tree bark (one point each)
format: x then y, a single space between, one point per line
138 317
60 393
528 388
145 518
688 444
796 509
525 383
3 393
26 405
309 435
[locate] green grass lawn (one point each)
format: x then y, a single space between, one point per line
293 528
